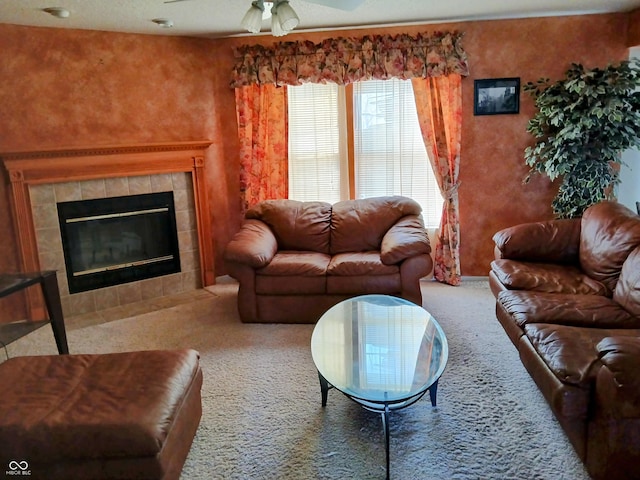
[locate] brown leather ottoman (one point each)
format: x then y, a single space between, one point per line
110 416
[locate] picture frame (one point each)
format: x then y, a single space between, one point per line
496 96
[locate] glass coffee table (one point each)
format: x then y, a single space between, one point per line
382 352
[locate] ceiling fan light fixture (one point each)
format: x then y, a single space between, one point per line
276 26
288 17
58 12
163 22
252 20
283 17
267 10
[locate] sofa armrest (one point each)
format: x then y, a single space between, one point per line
614 420
406 238
553 241
621 355
254 245
619 378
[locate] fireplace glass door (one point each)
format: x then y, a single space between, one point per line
118 240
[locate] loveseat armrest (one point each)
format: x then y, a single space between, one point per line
406 238
552 241
254 245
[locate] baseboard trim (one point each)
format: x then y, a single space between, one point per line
464 278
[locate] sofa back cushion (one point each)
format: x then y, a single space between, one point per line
609 233
296 225
627 292
359 225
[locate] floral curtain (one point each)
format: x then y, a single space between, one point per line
262 128
439 105
347 60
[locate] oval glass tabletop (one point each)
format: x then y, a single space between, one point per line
379 349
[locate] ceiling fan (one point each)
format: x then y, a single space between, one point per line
339 4
283 17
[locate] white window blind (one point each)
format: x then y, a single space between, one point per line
389 153
390 156
317 149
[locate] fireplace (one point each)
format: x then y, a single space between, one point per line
41 179
110 241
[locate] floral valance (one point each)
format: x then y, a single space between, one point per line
348 60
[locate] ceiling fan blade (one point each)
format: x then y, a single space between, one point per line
175 1
339 4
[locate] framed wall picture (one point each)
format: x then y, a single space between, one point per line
496 96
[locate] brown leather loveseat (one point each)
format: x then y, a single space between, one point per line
294 260
568 297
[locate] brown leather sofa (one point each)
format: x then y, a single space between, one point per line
568 297
294 260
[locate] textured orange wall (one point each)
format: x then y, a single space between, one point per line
77 88
492 195
634 29
80 88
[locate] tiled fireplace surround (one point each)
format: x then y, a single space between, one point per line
39 180
45 218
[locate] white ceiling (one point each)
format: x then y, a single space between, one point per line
221 18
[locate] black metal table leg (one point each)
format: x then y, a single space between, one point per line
324 389
433 390
385 426
52 299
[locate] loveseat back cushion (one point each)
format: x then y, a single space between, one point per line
296 225
359 225
627 292
609 233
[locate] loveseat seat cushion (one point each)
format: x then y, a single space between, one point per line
294 263
545 277
609 233
571 352
359 225
360 263
526 307
293 273
296 225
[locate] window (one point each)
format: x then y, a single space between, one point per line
317 151
386 154
390 156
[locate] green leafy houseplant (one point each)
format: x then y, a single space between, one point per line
583 124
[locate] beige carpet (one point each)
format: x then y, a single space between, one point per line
263 419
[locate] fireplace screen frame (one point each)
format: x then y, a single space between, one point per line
114 209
